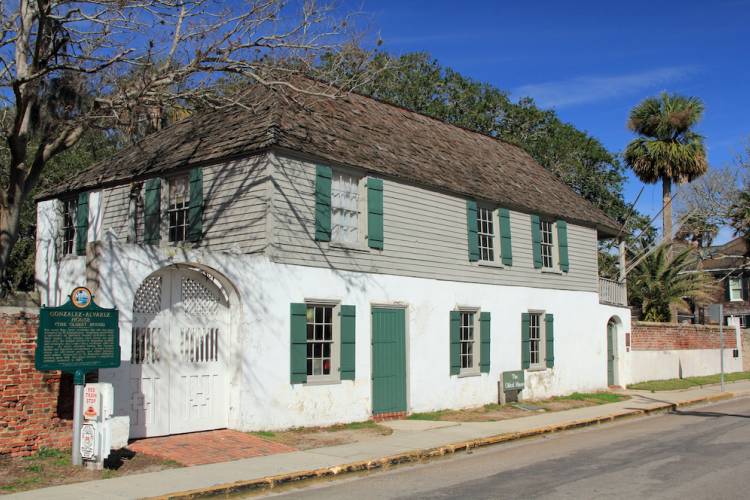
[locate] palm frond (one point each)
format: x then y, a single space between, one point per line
659 282
667 148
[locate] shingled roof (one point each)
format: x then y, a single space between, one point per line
358 131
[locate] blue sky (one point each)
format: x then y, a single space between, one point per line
592 61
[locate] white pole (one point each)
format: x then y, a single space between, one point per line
721 341
78 379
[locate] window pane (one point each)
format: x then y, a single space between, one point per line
68 226
344 208
178 207
547 243
466 338
535 337
319 339
485 234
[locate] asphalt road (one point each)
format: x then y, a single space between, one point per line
701 452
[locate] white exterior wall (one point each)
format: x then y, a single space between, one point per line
56 276
663 365
261 396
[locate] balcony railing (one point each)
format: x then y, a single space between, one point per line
612 292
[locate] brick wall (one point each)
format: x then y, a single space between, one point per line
746 349
672 336
34 411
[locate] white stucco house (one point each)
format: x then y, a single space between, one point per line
308 261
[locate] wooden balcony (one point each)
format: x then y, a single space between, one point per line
612 292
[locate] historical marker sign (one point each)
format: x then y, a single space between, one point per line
79 335
513 381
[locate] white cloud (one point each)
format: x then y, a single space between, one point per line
590 88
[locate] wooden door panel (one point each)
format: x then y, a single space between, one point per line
388 360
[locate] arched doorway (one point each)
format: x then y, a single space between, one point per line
612 328
179 378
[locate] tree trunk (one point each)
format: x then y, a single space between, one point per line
667 225
667 209
10 219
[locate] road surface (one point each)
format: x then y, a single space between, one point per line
701 452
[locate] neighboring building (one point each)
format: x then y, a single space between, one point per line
308 261
729 264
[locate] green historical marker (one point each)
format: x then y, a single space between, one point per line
77 337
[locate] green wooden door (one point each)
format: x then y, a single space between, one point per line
388 360
610 353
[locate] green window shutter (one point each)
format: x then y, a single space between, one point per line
484 338
323 203
549 334
562 244
298 346
455 344
82 223
348 317
506 249
525 341
195 209
152 212
471 224
536 241
375 213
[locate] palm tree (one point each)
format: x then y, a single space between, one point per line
668 148
660 283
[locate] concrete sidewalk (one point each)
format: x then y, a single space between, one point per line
411 440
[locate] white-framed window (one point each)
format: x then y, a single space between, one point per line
469 341
735 289
69 206
488 240
536 340
177 211
546 230
323 335
348 208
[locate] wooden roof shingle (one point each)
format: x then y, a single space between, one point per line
358 131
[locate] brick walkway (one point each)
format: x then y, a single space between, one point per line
208 447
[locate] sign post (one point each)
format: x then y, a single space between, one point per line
716 313
76 338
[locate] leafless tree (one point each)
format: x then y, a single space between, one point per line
69 65
703 206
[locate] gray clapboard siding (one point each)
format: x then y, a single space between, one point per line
116 207
235 198
425 236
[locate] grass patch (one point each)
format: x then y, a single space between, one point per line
263 434
52 467
427 415
597 397
354 426
687 382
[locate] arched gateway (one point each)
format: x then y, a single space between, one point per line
179 353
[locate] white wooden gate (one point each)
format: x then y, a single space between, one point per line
179 353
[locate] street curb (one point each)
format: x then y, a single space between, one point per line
269 482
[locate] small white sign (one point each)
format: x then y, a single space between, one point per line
88 441
90 402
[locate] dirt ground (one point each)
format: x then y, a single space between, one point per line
317 437
495 412
49 467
